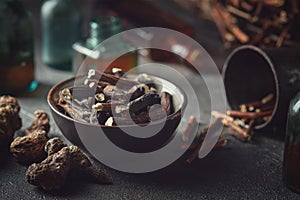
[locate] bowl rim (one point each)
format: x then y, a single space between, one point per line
71 79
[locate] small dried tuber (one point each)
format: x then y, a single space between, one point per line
82 166
41 122
54 145
10 120
53 172
11 102
29 148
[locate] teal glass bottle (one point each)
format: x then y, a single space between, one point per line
61 23
105 57
16 48
291 161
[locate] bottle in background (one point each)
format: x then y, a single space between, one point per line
88 50
61 24
16 48
291 161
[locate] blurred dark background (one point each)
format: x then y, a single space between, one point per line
140 13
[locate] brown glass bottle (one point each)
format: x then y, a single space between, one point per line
16 49
291 162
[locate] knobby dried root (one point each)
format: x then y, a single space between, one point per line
82 167
30 148
61 163
10 120
51 173
57 161
54 145
41 122
10 102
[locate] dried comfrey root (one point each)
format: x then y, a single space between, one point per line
53 172
239 123
195 147
82 167
166 102
29 148
11 102
41 122
10 120
113 97
54 145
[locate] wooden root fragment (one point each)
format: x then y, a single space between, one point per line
166 102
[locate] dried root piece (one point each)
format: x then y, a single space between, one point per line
240 123
82 166
11 102
166 102
155 113
11 107
54 145
53 172
197 143
192 124
71 111
117 72
137 91
10 120
100 97
145 79
41 122
113 121
143 101
6 128
113 92
123 83
106 107
29 148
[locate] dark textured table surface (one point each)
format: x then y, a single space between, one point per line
240 171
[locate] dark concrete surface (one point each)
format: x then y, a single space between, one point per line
240 171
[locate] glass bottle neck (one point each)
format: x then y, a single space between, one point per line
103 28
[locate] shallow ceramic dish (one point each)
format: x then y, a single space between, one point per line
69 126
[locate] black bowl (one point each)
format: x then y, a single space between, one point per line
115 134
